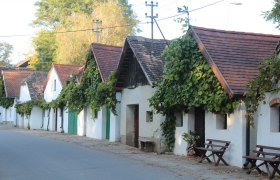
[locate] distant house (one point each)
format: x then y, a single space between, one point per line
23 64
105 125
12 79
32 88
140 66
58 75
234 58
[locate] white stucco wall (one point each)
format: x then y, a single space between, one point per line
115 121
2 113
180 146
36 118
235 132
81 124
267 134
139 96
49 93
95 126
24 94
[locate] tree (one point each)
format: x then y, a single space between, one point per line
274 14
45 49
118 21
5 53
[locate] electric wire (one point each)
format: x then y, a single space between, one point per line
111 27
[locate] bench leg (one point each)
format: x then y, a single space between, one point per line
220 158
275 169
206 157
254 166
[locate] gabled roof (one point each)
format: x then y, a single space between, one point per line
36 83
148 54
13 79
65 70
234 56
107 58
22 64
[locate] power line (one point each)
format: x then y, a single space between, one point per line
111 27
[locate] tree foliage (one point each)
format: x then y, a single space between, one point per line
118 21
45 50
5 101
188 81
265 82
5 53
274 14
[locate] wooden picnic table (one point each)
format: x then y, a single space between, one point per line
265 155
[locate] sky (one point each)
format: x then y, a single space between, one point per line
17 15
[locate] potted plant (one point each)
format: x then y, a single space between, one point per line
191 139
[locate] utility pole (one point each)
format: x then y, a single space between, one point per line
97 30
152 17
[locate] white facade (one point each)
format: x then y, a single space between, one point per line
53 86
235 132
267 122
148 129
96 127
81 124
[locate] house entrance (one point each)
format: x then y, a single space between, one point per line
72 122
132 125
199 125
108 113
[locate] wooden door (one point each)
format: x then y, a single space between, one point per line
136 126
199 125
108 113
72 122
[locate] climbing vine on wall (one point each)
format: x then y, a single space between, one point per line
265 82
5 102
188 82
90 91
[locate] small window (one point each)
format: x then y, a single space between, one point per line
221 120
149 116
275 119
54 85
179 119
95 114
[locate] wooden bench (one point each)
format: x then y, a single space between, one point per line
147 144
265 155
215 147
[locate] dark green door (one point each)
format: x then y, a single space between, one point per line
108 123
72 122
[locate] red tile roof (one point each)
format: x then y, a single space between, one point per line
234 56
13 80
65 70
107 58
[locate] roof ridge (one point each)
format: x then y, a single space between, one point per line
234 32
107 45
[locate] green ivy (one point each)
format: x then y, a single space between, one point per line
91 91
188 82
266 81
5 102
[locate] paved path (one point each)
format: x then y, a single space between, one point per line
39 154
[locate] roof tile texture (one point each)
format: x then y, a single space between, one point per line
148 53
36 83
107 58
13 80
65 70
237 55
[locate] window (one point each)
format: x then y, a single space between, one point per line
54 85
149 116
221 121
179 119
95 114
275 119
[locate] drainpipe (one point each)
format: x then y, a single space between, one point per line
245 165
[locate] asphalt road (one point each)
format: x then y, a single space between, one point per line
29 157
